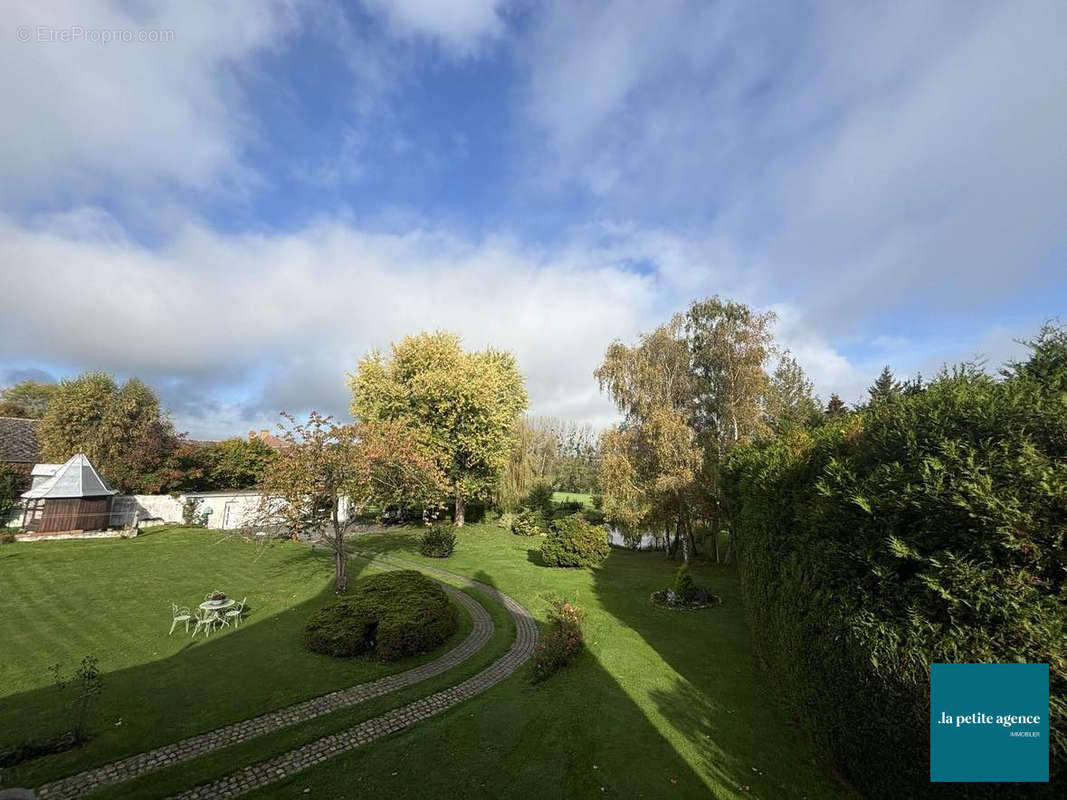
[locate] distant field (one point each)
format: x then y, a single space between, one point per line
569 497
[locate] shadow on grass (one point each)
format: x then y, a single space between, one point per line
233 674
719 700
578 734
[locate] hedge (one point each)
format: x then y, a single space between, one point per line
927 529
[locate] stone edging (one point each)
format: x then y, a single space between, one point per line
134 766
266 772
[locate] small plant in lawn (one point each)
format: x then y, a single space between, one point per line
561 643
573 542
528 523
438 541
687 594
84 688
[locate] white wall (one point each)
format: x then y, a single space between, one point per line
228 510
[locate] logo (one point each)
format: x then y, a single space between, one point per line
989 723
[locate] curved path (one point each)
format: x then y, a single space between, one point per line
263 773
92 780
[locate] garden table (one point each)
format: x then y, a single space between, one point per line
218 605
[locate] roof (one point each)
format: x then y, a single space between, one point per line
268 439
77 478
18 440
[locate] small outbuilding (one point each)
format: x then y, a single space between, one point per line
74 498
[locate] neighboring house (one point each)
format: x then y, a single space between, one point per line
18 443
268 439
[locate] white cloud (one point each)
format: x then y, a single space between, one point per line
460 25
82 115
855 162
274 321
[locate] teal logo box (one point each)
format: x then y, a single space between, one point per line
989 723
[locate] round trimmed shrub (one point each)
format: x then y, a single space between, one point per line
438 541
392 615
528 523
573 542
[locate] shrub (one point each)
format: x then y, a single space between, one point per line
686 594
573 542
561 643
505 520
924 530
684 585
438 541
528 523
594 516
393 615
540 499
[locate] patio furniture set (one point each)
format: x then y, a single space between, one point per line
217 611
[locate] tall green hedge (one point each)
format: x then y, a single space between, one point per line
928 529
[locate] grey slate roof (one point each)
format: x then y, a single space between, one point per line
18 440
77 478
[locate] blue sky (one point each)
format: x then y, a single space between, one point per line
239 211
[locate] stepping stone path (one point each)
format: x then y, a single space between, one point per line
263 773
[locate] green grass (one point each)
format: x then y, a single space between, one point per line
660 704
570 497
111 598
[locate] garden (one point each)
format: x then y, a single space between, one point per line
669 703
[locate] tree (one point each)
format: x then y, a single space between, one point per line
791 401
836 408
650 462
32 397
230 464
121 430
885 389
460 406
729 344
329 474
9 409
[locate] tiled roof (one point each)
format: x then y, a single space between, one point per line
18 440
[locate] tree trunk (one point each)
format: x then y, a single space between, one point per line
716 537
729 546
686 536
672 546
340 557
461 509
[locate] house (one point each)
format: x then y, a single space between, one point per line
268 439
73 498
18 443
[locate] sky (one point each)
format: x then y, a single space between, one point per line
236 201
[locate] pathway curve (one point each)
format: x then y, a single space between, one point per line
263 773
92 780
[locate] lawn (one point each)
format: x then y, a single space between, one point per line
661 704
573 497
111 599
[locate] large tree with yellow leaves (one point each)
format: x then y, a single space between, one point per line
460 406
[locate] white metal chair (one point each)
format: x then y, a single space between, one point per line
236 612
181 614
206 620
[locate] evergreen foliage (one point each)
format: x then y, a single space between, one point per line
926 529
